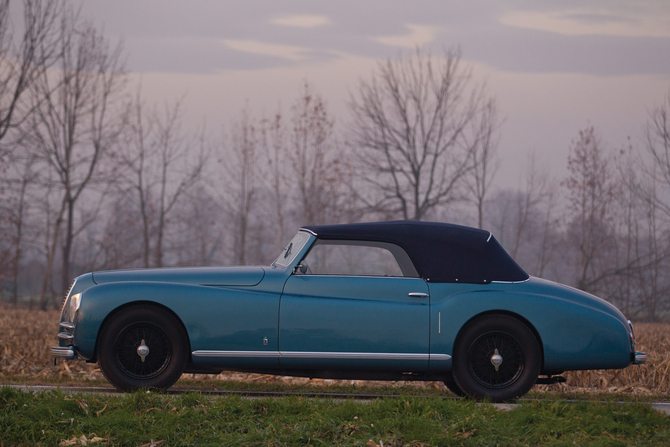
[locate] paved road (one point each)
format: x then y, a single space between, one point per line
663 407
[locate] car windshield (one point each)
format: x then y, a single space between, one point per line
292 249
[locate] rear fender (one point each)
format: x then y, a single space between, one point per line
573 336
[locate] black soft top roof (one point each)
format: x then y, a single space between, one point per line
441 253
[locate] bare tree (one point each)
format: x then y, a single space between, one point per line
15 210
73 125
161 163
591 189
200 236
482 137
240 161
180 169
116 241
136 153
318 174
409 127
524 220
536 190
273 139
24 61
657 139
658 200
645 282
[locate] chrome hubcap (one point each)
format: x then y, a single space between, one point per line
496 359
143 351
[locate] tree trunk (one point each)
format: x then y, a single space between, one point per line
67 247
44 299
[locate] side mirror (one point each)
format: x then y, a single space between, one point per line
302 268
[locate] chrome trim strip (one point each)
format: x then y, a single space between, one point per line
67 325
245 354
439 322
63 352
65 336
353 355
490 235
308 231
418 295
322 275
321 355
510 282
67 295
631 333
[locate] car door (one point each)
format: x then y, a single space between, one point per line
355 305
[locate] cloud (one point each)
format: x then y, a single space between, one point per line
288 52
583 22
419 35
301 21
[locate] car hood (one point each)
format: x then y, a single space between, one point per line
208 276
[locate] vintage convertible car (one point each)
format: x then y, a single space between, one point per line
385 301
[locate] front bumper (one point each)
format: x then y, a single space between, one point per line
65 349
63 352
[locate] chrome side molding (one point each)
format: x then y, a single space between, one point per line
238 354
321 355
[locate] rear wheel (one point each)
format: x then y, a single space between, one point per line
496 357
143 347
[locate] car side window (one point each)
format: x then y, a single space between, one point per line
355 258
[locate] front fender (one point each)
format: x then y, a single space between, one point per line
214 317
573 336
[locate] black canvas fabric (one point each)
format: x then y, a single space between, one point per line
441 253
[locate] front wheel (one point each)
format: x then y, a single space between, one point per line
142 347
496 357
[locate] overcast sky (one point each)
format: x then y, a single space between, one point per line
554 67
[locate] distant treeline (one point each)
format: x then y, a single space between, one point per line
95 178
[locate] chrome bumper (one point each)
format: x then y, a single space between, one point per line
639 358
63 352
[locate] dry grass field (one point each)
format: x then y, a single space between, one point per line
26 337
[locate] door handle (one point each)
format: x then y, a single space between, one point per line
418 295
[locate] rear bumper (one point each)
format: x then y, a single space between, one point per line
639 358
63 352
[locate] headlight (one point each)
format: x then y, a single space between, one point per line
75 302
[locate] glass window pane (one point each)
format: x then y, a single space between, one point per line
351 260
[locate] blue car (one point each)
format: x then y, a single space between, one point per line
380 301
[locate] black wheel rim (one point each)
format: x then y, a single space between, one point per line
126 350
483 370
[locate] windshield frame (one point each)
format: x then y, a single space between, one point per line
296 246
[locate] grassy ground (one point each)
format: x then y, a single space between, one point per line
56 418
